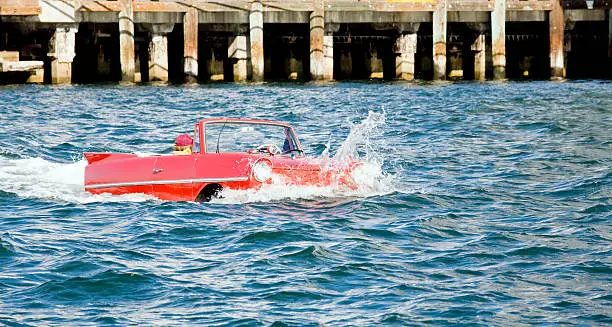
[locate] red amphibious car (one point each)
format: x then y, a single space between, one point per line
233 153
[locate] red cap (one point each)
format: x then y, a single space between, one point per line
183 140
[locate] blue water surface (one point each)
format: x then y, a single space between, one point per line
493 208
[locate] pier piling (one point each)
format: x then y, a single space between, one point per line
126 41
190 51
439 40
317 42
238 53
257 38
62 53
556 29
405 49
158 52
479 49
498 35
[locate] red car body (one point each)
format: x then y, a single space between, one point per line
202 175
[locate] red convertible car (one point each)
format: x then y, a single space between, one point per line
233 153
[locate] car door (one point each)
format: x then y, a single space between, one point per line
173 177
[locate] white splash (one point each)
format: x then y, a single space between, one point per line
369 178
38 178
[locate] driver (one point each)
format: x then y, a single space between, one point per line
183 145
286 146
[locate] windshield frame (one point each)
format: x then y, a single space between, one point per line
200 130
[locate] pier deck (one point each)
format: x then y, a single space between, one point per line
391 38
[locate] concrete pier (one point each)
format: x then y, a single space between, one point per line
405 50
439 40
317 41
307 39
328 63
257 40
498 36
61 53
158 52
556 29
238 53
190 50
126 41
479 49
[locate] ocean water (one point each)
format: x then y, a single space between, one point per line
480 204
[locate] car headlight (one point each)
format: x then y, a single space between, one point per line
262 171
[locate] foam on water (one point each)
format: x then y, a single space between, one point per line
39 178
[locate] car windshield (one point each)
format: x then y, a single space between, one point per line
245 136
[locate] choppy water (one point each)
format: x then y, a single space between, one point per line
485 204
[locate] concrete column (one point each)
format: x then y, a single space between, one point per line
405 48
294 65
126 41
257 36
61 52
375 64
480 64
317 41
328 63
190 52
238 53
439 41
498 34
214 66
346 63
556 29
567 42
158 52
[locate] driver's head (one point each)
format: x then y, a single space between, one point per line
183 142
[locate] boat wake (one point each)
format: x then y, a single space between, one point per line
39 178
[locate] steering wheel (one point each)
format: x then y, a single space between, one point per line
267 148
